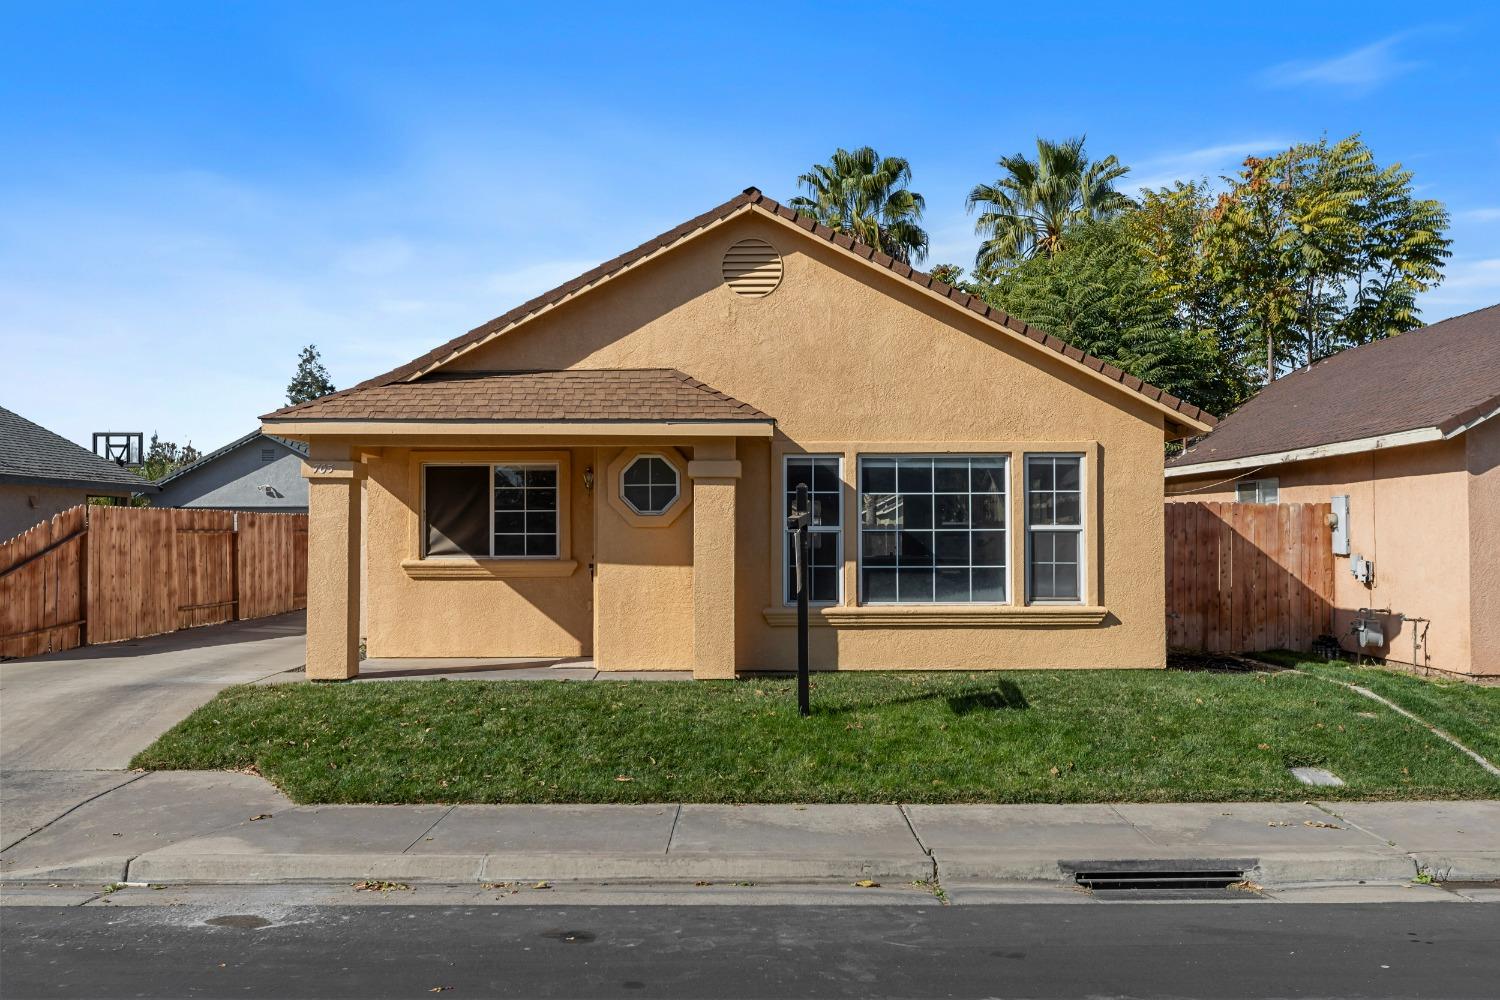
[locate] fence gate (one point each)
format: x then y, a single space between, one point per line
1247 577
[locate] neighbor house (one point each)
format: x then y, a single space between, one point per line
1399 436
258 472
604 472
42 473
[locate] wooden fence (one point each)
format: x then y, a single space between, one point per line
102 574
1248 577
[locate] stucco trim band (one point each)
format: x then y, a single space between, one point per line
939 616
332 470
458 568
714 469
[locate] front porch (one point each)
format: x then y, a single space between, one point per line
535 531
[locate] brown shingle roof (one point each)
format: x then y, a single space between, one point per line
751 197
1441 376
616 394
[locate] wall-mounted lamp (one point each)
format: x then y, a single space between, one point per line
588 478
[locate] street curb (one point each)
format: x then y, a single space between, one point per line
103 870
1345 866
170 867
1459 866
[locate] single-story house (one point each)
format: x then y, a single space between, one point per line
1400 436
42 474
604 471
257 472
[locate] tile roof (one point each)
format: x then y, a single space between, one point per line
753 198
593 395
30 453
1441 376
218 453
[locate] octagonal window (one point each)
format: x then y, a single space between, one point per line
650 484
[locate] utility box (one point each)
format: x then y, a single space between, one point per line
1341 525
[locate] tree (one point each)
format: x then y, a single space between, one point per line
162 458
311 379
865 196
948 274
1167 229
1324 249
1030 209
1099 296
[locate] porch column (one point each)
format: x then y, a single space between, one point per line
333 550
715 474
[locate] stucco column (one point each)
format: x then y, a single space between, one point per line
715 474
333 551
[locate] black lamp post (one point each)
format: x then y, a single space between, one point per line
797 523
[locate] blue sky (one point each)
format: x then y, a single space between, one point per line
193 191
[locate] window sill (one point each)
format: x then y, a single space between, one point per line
940 616
486 569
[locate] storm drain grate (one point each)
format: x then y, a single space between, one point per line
1171 878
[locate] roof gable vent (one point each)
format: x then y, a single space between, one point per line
752 268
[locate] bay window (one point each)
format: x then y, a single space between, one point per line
822 474
1054 528
505 511
933 529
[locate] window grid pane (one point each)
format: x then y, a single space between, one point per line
1054 511
525 512
933 529
826 565
649 485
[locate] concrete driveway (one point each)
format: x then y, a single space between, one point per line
70 722
95 707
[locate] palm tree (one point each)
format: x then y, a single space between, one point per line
1029 211
864 196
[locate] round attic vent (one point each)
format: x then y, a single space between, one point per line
752 267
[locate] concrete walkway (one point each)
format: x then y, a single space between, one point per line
213 827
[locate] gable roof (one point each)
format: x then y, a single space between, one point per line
593 395
31 454
237 443
1425 385
1189 417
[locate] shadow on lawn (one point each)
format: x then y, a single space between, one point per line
999 696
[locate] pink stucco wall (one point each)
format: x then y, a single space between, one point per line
1426 515
1483 453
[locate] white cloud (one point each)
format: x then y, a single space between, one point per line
1359 71
1192 164
1467 285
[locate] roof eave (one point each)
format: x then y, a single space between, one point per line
98 485
330 427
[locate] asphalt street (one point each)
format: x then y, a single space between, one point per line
1249 949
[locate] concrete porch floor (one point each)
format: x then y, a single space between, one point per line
492 669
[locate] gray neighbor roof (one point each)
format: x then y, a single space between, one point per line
218 453
30 454
1440 378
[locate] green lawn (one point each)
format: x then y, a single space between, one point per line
1467 712
1023 736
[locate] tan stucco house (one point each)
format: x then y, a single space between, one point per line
1401 436
603 472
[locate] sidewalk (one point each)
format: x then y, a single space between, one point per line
214 827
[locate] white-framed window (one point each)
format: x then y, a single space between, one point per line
507 511
1054 529
1257 490
650 484
932 529
824 477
